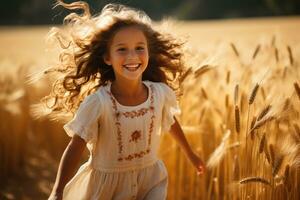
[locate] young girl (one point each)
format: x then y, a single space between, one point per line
123 69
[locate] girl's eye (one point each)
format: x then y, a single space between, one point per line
121 49
140 48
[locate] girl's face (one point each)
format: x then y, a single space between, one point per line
128 53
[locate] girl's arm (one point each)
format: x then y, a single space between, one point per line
67 166
178 135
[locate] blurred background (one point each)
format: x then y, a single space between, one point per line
235 42
34 12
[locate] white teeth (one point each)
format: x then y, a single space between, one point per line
132 65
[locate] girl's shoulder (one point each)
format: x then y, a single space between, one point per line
162 89
96 98
101 90
160 85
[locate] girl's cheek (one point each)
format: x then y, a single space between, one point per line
142 53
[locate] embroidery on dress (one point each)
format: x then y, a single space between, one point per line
136 134
134 113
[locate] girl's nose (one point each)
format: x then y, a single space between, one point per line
132 54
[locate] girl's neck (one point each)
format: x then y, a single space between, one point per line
128 88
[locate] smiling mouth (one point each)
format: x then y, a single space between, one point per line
132 67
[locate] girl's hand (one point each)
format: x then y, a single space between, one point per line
55 196
197 162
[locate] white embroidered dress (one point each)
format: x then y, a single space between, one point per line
123 142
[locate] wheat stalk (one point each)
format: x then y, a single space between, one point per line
251 126
296 134
267 154
284 72
272 153
286 172
219 152
234 145
297 88
236 168
253 122
237 119
256 51
250 102
262 143
202 114
201 70
226 100
234 49
290 55
286 104
228 77
253 94
204 94
263 93
236 94
276 54
264 112
277 165
255 180
261 123
242 102
273 40
297 129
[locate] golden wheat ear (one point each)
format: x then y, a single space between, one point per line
256 51
201 70
297 89
291 58
237 119
255 179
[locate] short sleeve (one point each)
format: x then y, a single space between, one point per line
85 121
170 107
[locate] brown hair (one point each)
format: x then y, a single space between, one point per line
84 41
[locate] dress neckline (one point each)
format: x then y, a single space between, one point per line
134 106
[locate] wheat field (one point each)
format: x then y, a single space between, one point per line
240 112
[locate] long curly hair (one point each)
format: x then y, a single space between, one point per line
84 40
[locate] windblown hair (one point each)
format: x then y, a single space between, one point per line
85 39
